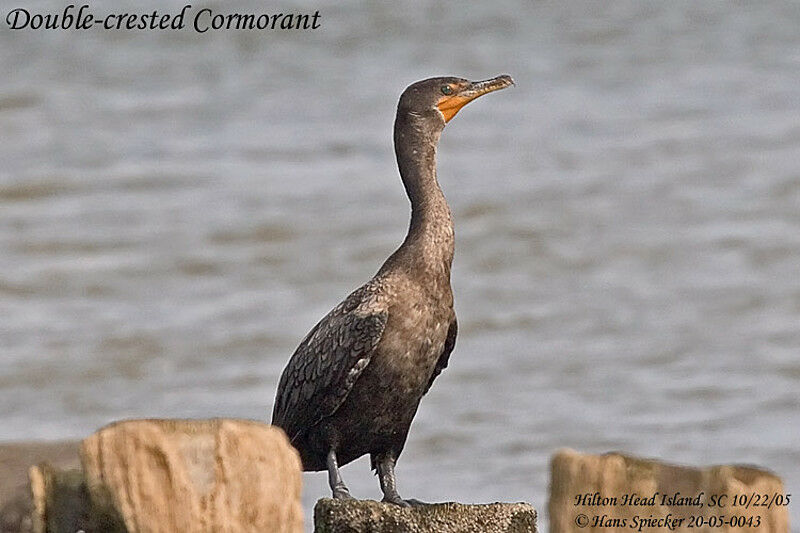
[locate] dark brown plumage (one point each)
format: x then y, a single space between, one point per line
353 385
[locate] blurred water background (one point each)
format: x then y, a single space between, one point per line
177 210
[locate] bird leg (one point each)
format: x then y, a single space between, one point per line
338 487
385 466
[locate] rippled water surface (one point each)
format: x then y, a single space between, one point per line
177 210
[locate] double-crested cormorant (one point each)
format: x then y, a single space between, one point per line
353 385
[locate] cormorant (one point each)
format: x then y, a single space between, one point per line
353 385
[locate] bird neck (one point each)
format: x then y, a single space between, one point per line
429 243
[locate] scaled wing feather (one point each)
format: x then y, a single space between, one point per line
326 365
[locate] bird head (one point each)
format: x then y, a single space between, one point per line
439 99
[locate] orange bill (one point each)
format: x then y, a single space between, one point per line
451 104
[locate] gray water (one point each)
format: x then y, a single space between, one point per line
177 210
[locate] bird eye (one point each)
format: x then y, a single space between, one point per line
446 89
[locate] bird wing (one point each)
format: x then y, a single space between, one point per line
444 358
326 364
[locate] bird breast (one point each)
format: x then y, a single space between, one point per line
411 345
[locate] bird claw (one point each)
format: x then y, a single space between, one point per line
397 500
341 493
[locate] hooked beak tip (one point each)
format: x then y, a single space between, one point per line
480 88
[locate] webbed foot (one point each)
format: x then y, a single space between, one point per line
397 500
385 467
